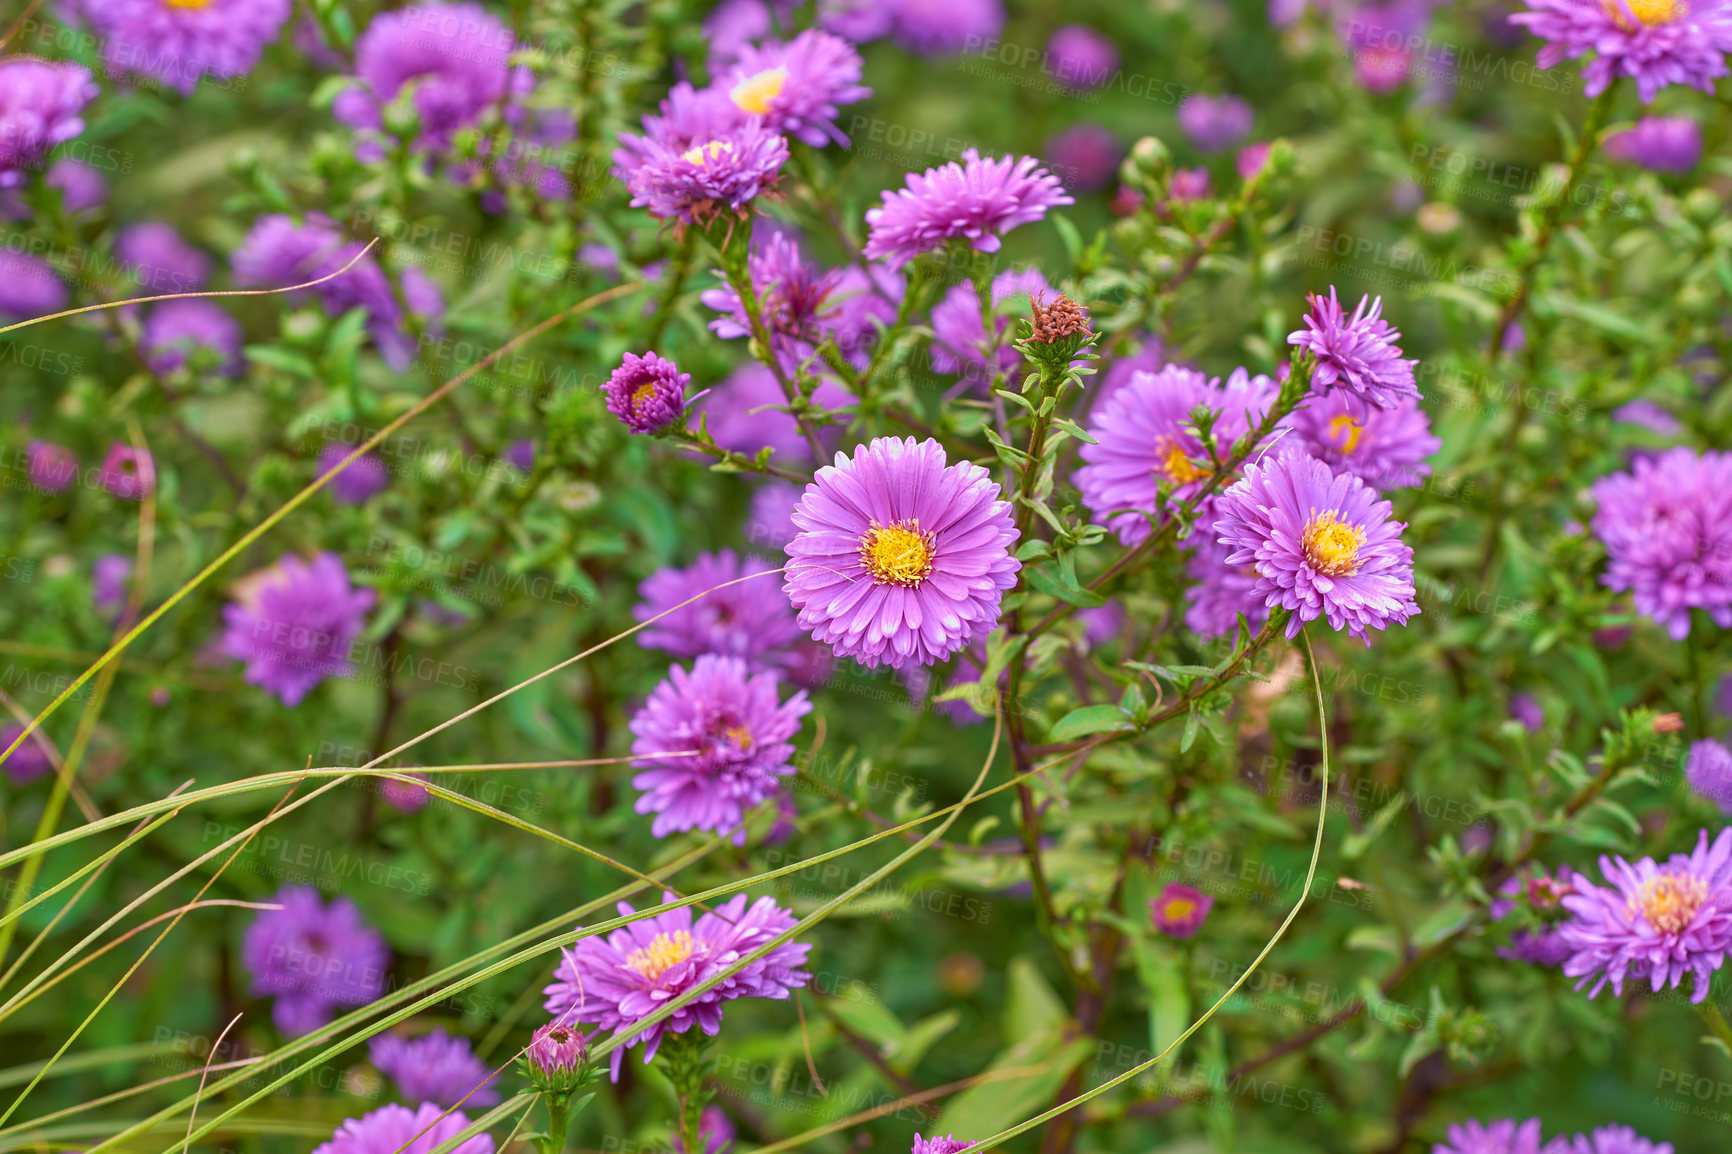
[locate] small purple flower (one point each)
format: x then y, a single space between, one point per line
939 29
520 454
53 467
771 525
181 41
1081 57
403 796
798 87
647 393
395 1129
81 188
294 623
1214 123
1501 1136
313 958
29 286
41 105
556 1052
1709 771
1219 592
1250 160
959 340
1652 921
1356 353
1655 42
1528 712
730 735
435 1067
750 620
748 413
1085 156
619 981
1667 529
182 330
795 299
360 482
1385 448
1102 625
1180 910
1322 543
936 1145
977 200
1650 415
1613 1139
127 473
701 158
1188 184
1662 143
108 577
900 556
715 1130
159 261
29 761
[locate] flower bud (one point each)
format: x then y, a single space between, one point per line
555 1059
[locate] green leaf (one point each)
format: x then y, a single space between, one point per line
988 1108
1030 1005
1046 581
1090 719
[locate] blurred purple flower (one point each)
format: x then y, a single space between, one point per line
108 577
520 454
1614 1139
395 1129
127 472
293 624
29 286
1180 911
82 188
1385 448
743 416
1250 160
1085 156
29 761
1662 143
716 1131
434 1067
750 620
930 28
40 106
771 524
53 467
1188 184
1667 529
1081 57
313 958
1528 711
178 330
1501 1136
181 41
1214 123
360 482
1649 415
158 261
1655 42
1219 592
977 200
794 298
959 338
1709 771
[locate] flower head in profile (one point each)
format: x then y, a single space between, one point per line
937 1145
293 624
1652 921
798 87
1080 57
1709 772
701 159
435 1067
1356 353
109 575
976 200
41 105
395 1129
313 958
126 472
647 393
712 744
53 467
1385 448
1654 42
750 620
1667 529
1662 143
1219 593
29 761
1085 156
960 342
618 981
179 42
556 1056
1214 123
900 556
177 332
1614 1139
1501 1136
1322 544
1180 910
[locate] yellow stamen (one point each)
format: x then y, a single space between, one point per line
1180 908
641 394
1176 466
187 3
1669 901
704 153
754 93
1347 431
739 735
897 554
1332 545
1648 13
662 954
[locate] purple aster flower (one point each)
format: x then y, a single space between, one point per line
730 719
936 1145
1188 184
158 261
29 286
771 525
402 796
647 393
1385 448
1250 160
702 157
456 56
1149 357
1086 156
293 624
931 28
361 481
1653 921
1655 42
1102 625
1502 1136
857 20
53 467
434 1068
40 107
1381 38
618 982
714 1129
181 41
798 87
1322 542
959 341
108 578
1709 771
1607 1140
733 25
29 761
1081 57
1220 592
556 1053
793 298
1649 415
751 620
1145 441
182 329
748 413
1667 529
1180 910
1214 123
1357 353
313 958
1529 712
900 556
979 199
127 472
81 188
393 1129
1662 143
520 454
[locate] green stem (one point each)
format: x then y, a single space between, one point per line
558 1121
1716 1022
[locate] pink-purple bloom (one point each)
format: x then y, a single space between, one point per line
180 331
1356 353
647 393
900 557
1652 921
395 1129
159 261
81 188
1614 1139
1662 143
180 43
748 413
126 472
976 200
1322 543
1214 123
798 87
1385 448
41 105
1179 911
1501 1136
1667 529
434 1067
363 480
294 624
941 27
937 1145
703 157
29 761
313 958
1081 57
750 620
556 1051
29 286
1085 156
960 343
109 574
1220 593
729 737
1709 772
53 467
1654 42
637 969
797 301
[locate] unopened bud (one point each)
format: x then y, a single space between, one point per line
555 1058
1669 723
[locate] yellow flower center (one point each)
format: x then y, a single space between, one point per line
705 153
187 3
662 954
640 395
1332 545
754 93
1175 465
1347 431
1648 13
739 735
1180 908
897 553
1669 901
